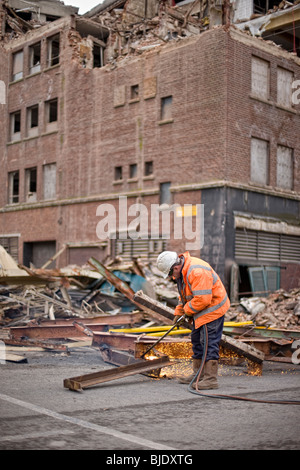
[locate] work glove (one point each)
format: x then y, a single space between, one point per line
176 317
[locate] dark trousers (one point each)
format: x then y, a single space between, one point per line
214 334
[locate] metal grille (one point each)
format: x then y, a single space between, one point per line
265 246
11 245
146 249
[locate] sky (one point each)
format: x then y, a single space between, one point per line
83 5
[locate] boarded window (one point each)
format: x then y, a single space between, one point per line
165 193
284 167
13 187
259 161
166 108
49 181
133 170
260 78
53 50
35 58
17 66
2 92
30 184
285 80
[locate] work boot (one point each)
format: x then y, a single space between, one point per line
209 380
186 379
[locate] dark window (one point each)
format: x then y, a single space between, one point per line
34 116
17 122
148 170
98 56
35 58
13 187
134 92
31 184
53 50
118 173
52 110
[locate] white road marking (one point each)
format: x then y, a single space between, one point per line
86 424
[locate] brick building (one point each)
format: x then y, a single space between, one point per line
210 119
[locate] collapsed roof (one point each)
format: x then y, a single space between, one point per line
137 25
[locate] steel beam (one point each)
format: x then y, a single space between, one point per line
89 380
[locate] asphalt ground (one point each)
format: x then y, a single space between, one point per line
157 422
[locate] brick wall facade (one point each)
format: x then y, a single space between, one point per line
205 140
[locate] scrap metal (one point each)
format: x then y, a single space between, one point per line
89 380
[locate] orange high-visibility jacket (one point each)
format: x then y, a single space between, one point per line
203 293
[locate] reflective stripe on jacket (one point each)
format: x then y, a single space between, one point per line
203 295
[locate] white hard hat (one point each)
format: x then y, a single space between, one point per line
165 261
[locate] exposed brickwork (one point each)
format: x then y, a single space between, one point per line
100 126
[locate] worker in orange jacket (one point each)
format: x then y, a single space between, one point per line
203 299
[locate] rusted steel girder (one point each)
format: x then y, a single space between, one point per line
54 331
138 344
120 319
112 278
85 381
65 328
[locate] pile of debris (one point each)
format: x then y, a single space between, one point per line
280 309
123 308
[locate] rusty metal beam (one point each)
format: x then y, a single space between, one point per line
85 381
122 286
120 319
65 328
54 331
137 344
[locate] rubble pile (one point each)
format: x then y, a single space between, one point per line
136 36
281 309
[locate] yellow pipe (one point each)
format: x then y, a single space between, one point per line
180 331
160 330
149 329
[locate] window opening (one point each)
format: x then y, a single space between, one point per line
133 170
118 173
13 187
31 184
17 72
166 108
148 170
35 58
53 50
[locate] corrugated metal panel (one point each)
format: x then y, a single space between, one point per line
266 246
290 248
245 244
